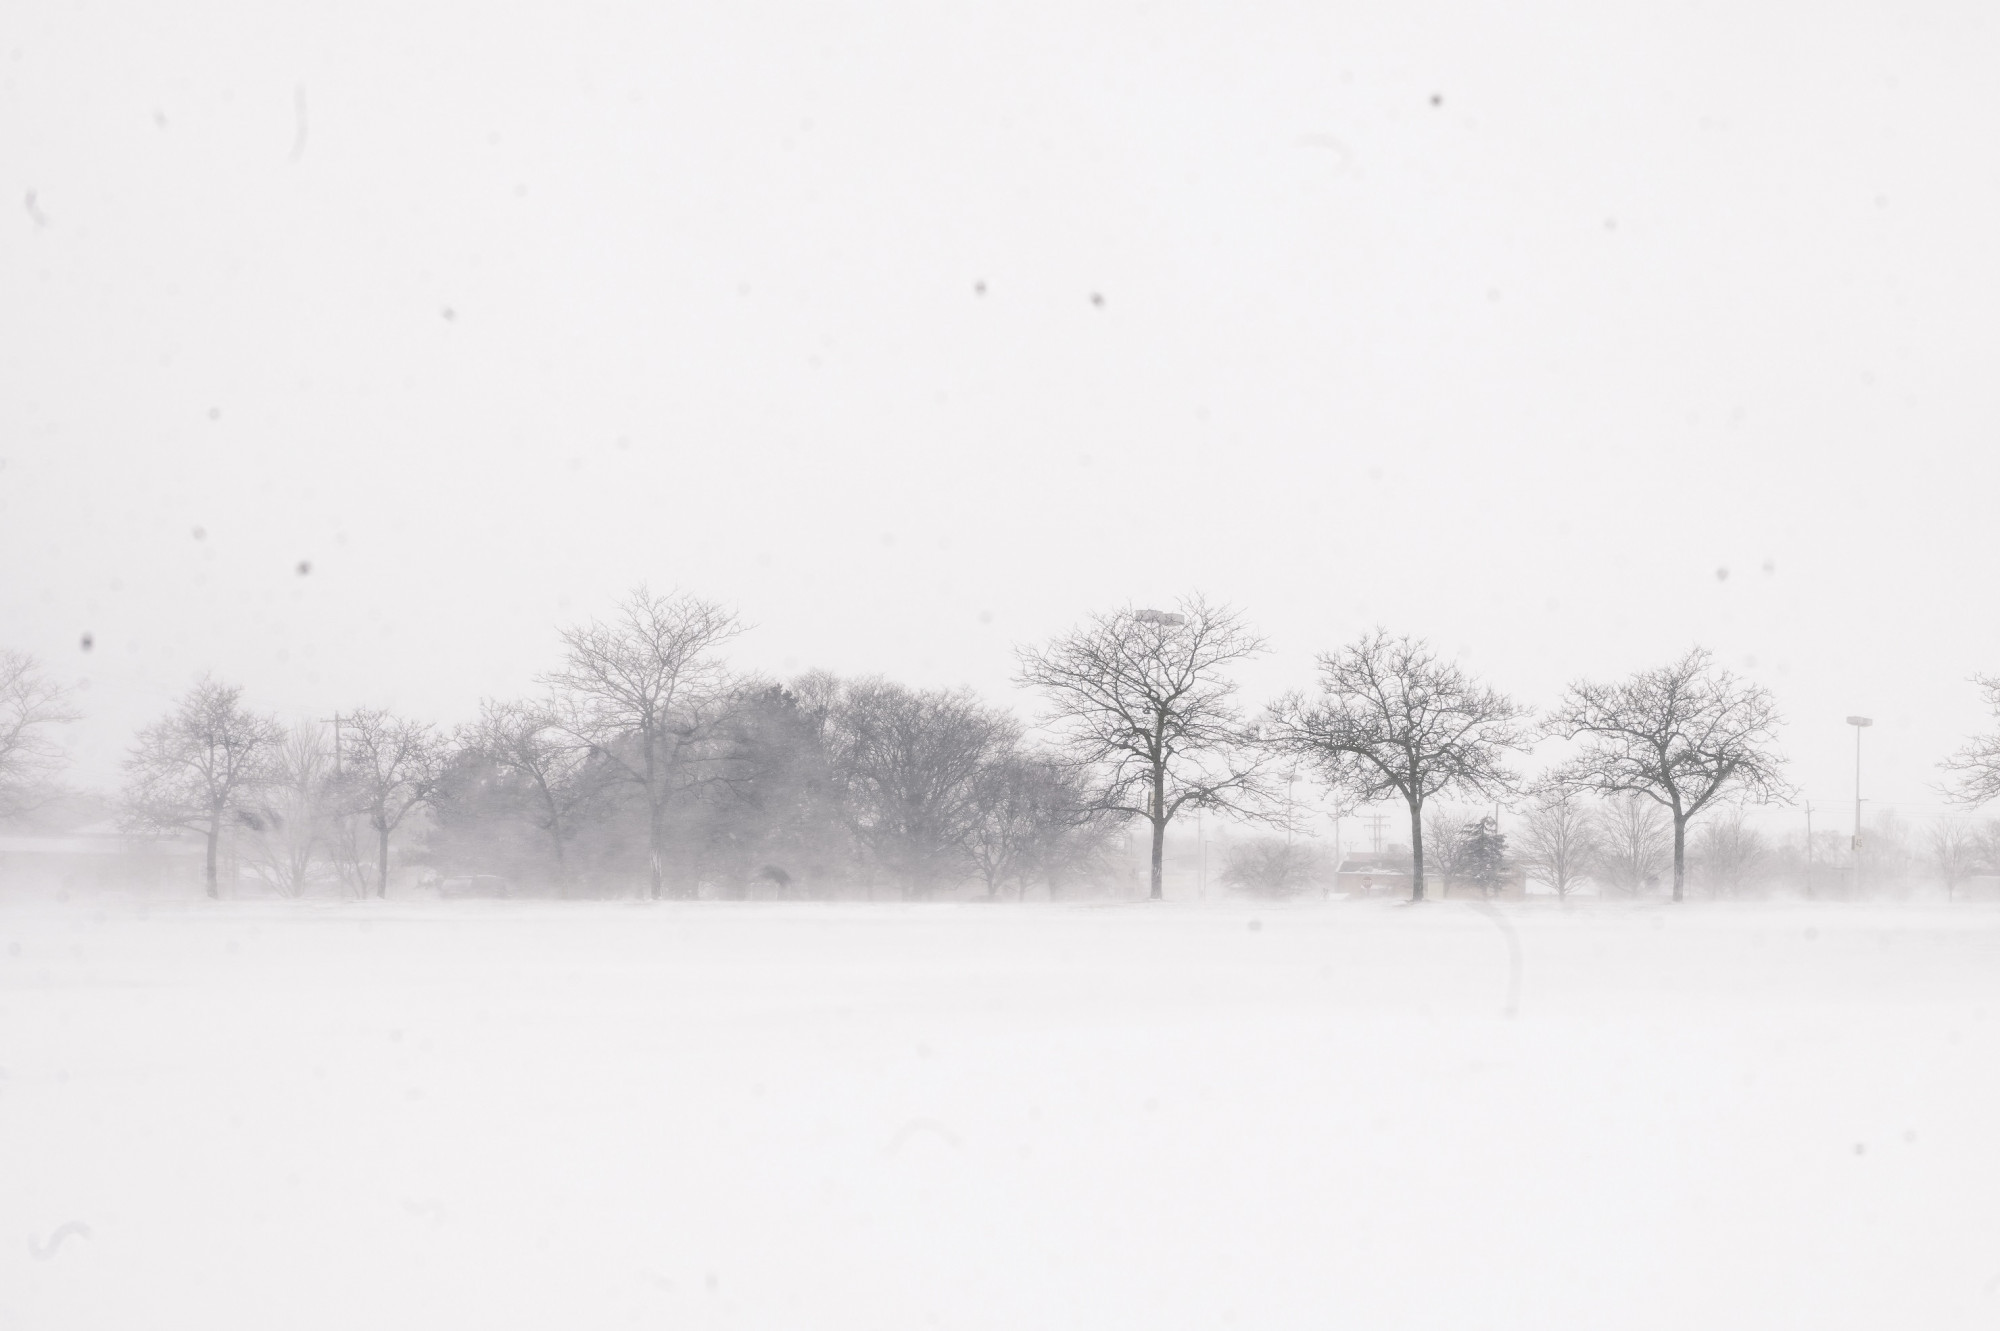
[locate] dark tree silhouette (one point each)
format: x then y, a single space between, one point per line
1681 735
1975 768
1036 821
192 768
1392 718
647 691
1483 850
30 703
388 766
1953 847
1633 843
1142 700
914 763
1559 837
528 742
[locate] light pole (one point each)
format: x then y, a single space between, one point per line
1860 723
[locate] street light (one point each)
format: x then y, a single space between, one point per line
1860 723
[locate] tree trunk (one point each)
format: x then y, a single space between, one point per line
214 834
656 832
1416 850
656 835
555 841
1159 830
1680 852
381 861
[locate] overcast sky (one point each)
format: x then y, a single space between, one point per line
1566 338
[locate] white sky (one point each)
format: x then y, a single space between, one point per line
550 299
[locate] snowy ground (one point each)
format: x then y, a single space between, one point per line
511 1115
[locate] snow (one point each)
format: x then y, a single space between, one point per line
537 1115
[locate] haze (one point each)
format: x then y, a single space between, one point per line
917 335
511 950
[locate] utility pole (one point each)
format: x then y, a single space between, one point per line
1809 851
343 841
1860 723
1338 859
335 721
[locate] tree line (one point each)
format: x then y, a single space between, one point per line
1622 847
645 757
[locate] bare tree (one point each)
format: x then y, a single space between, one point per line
1728 852
1955 851
1444 844
1036 821
914 763
388 766
529 741
1975 768
1001 840
1559 837
1682 735
1143 700
1986 852
647 690
1887 854
192 768
341 843
1070 835
1273 867
1634 843
30 703
1392 718
290 815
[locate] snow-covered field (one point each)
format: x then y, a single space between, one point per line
512 1115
